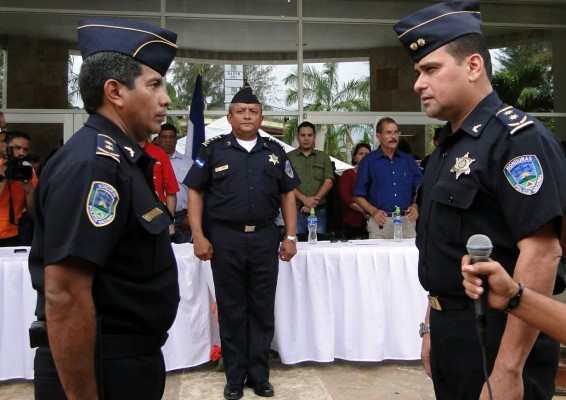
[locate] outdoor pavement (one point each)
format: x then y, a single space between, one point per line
340 380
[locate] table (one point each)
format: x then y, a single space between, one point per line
358 301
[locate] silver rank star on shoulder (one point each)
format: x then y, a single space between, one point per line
274 159
462 165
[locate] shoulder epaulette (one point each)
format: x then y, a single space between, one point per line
106 146
213 139
272 139
513 119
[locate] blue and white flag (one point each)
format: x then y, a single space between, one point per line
195 127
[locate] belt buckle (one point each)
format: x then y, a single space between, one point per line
249 228
434 302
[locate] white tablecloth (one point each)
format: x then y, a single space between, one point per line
356 301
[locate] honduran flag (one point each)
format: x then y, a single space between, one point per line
195 127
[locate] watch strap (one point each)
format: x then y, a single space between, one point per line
515 300
423 329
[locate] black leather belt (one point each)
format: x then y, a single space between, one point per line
181 213
117 346
450 303
248 228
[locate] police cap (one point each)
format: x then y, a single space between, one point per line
431 28
245 95
150 45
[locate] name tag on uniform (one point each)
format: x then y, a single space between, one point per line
151 215
222 168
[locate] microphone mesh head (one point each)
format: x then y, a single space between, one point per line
479 245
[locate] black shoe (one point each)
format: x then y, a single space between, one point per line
233 392
263 389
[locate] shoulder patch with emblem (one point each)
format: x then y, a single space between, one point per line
525 174
513 119
289 169
106 146
101 203
213 139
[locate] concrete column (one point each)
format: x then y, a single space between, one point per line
392 78
36 77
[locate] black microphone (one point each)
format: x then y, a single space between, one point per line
480 247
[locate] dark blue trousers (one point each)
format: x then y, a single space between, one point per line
456 359
245 268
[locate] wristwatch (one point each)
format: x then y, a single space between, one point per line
424 328
293 238
515 300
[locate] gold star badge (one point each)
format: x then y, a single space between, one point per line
274 159
462 165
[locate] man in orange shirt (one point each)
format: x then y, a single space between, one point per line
15 194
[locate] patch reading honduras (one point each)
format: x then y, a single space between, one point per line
525 174
199 162
289 170
101 203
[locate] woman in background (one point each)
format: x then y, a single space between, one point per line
353 218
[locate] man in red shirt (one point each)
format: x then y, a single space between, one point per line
164 180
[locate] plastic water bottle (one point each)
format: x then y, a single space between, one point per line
312 224
397 225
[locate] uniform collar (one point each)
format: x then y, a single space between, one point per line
130 149
231 141
480 115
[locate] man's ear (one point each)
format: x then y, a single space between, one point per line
114 92
475 66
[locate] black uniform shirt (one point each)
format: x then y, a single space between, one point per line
243 187
95 202
503 175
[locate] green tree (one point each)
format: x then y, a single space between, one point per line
525 80
74 95
183 76
322 91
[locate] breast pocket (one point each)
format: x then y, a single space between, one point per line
223 179
150 212
318 171
450 202
274 176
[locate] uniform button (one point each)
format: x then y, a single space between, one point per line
251 188
451 199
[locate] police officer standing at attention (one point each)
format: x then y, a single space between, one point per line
101 260
498 172
246 178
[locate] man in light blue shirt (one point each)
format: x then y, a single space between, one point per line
167 140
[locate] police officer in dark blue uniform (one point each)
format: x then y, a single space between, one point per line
497 172
246 178
101 260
